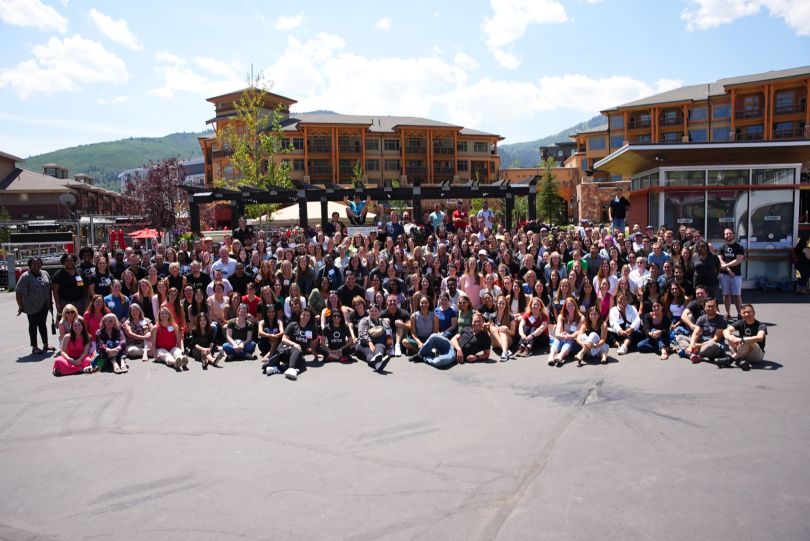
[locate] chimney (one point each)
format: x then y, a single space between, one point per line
84 178
55 171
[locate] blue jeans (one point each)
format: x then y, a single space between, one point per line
247 351
445 353
619 223
653 345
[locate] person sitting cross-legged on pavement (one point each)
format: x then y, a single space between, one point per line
707 338
570 325
656 325
300 337
593 338
624 323
374 337
746 338
239 334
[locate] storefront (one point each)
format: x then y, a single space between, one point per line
753 188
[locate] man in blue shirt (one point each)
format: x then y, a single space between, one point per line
356 210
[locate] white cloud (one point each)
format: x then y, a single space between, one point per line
213 76
64 66
288 22
509 21
113 101
706 14
383 23
593 1
320 74
116 30
32 13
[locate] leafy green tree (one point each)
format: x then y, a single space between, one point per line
5 233
549 203
357 175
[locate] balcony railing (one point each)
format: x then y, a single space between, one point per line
748 112
320 171
346 171
443 171
638 125
482 173
350 148
414 170
750 136
669 121
443 150
790 108
415 149
795 133
320 148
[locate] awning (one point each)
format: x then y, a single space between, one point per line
632 159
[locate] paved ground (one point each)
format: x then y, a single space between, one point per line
638 449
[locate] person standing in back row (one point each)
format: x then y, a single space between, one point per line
33 294
732 256
617 211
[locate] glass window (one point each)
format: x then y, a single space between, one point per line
698 113
687 208
772 222
372 144
736 177
773 176
652 209
783 130
671 136
461 146
617 121
298 165
721 110
298 143
372 165
391 144
784 102
478 146
596 143
463 165
645 138
698 136
684 178
727 209
392 165
616 141
720 134
753 133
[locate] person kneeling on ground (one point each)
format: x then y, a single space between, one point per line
472 345
707 338
300 337
374 338
748 343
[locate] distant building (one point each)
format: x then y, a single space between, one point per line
559 152
28 195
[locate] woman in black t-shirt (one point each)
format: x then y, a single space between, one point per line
300 337
101 281
203 346
337 338
271 330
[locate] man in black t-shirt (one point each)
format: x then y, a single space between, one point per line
707 269
707 337
731 257
196 278
617 211
746 338
473 346
239 280
350 289
398 319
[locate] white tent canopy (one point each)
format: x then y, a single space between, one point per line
291 215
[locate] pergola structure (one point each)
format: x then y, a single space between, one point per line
415 193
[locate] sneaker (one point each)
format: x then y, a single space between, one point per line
723 362
434 352
345 359
695 358
504 357
291 373
377 359
380 366
622 350
744 365
415 359
204 361
397 351
270 370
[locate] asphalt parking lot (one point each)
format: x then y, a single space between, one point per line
637 449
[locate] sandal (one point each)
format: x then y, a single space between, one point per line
116 368
36 351
50 349
89 369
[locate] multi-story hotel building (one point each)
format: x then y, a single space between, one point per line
728 154
327 146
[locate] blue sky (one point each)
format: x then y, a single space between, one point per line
75 72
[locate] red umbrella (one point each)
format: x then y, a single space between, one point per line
144 234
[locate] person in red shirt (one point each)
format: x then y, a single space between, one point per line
460 216
252 301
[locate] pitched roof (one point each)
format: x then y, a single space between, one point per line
237 93
375 124
25 180
11 157
596 129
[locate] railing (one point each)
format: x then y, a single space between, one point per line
443 150
222 153
748 112
750 137
346 170
320 171
415 170
416 149
668 121
638 125
355 149
795 133
790 108
320 148
443 171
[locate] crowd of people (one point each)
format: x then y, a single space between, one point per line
459 288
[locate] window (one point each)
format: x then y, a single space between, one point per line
782 130
391 144
698 136
372 165
721 110
463 165
698 113
669 118
751 104
671 136
773 176
728 178
617 121
616 141
320 144
297 143
392 165
596 143
298 165
784 102
753 133
462 146
372 144
720 134
23 197
687 208
615 178
684 178
478 146
645 138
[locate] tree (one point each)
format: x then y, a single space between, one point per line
549 203
158 197
357 175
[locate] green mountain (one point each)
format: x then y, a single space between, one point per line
527 154
104 161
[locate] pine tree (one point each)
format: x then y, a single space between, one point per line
549 202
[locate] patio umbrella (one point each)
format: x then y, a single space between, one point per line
146 233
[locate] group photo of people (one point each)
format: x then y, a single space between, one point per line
456 288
